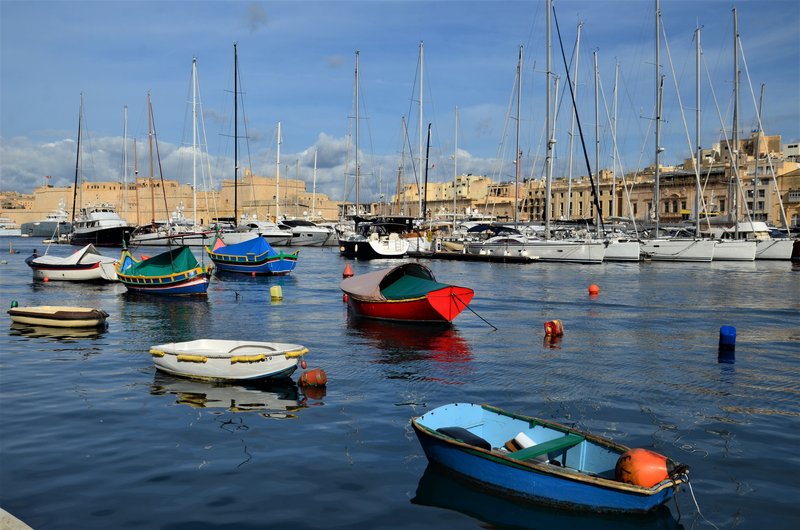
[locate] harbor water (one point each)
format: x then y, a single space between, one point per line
93 437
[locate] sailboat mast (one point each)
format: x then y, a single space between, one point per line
235 135
358 168
150 137
402 163
733 195
657 176
194 141
125 163
549 161
77 161
314 188
697 135
278 177
572 121
455 170
596 141
757 148
425 190
613 209
421 70
517 151
136 182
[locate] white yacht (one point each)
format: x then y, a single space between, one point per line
306 233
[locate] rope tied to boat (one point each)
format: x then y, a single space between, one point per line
684 476
454 295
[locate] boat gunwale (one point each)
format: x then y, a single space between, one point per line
541 467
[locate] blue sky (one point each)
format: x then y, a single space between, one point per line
296 62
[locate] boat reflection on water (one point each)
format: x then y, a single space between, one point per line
439 489
274 400
440 348
58 334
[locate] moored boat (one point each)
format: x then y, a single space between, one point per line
407 292
544 461
85 264
212 359
174 272
59 316
255 256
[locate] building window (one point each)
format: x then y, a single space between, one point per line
722 205
683 205
675 206
760 205
761 194
634 208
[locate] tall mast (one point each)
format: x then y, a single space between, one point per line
78 162
235 135
572 122
550 141
455 170
150 137
427 158
136 181
125 164
314 187
358 169
657 176
402 163
596 143
278 177
421 59
613 209
733 197
757 148
517 152
698 191
194 141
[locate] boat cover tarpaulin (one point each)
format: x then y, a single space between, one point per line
174 260
89 252
407 280
257 246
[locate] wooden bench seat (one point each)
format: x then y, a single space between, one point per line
544 448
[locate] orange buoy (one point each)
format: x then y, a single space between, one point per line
594 289
46 279
348 271
553 328
642 467
345 298
314 377
314 392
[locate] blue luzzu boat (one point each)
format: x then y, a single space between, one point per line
253 256
546 462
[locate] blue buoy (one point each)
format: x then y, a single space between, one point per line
727 344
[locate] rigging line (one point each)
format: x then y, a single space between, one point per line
597 204
697 506
761 128
695 162
473 311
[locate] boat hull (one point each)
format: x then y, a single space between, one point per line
442 306
732 250
536 481
45 228
622 251
700 250
104 237
780 249
59 316
223 360
366 249
545 250
276 265
188 282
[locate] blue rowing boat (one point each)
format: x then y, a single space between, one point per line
254 256
546 462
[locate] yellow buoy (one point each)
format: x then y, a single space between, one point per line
275 292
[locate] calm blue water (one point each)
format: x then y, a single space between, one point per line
93 437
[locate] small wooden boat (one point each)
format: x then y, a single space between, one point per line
255 256
173 272
406 292
84 265
211 359
544 461
59 316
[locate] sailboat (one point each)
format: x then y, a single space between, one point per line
376 239
658 248
546 249
98 224
254 255
174 272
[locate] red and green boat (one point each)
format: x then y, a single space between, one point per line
407 292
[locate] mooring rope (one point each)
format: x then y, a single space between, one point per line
473 311
697 506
